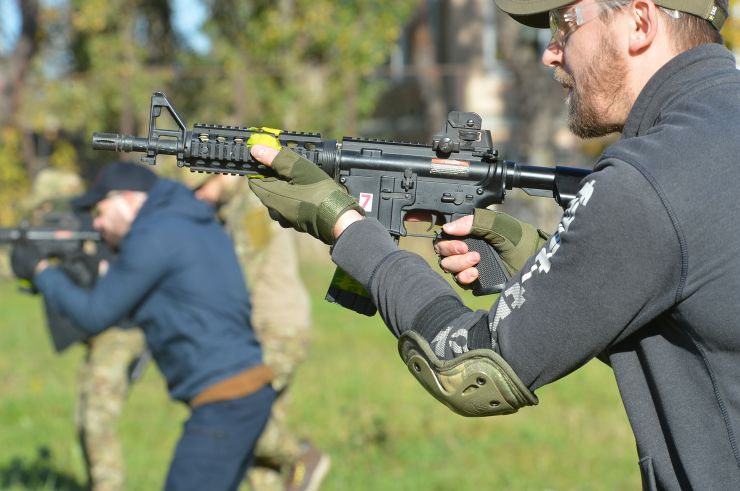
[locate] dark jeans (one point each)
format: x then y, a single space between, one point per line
217 443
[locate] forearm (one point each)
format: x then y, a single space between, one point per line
407 292
74 302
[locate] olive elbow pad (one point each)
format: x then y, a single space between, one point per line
477 383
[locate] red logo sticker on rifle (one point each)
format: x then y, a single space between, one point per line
450 167
366 202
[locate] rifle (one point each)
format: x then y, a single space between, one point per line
68 238
458 172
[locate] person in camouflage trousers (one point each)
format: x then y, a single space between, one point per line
104 384
269 257
104 377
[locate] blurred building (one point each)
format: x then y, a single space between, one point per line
465 55
446 59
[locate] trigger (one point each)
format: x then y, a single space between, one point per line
435 221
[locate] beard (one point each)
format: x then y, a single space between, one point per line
603 78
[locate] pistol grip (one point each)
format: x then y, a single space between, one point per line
492 272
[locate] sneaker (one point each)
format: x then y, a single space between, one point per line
308 472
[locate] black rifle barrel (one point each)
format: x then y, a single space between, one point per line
10 234
47 234
128 143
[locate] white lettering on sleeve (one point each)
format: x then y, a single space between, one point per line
459 346
541 262
438 343
516 293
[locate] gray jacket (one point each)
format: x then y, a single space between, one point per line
644 272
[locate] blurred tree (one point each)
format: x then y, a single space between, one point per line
108 57
16 146
300 64
731 29
86 65
534 100
78 66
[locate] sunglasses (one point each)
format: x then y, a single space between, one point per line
565 20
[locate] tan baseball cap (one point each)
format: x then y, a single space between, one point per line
53 184
534 13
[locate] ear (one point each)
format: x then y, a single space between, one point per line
643 17
134 200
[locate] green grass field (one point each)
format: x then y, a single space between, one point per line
353 397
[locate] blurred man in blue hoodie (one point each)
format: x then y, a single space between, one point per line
177 276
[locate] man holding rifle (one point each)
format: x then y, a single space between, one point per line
112 358
177 276
643 271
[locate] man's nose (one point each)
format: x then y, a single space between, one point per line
553 55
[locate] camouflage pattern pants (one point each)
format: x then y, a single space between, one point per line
104 375
104 384
281 318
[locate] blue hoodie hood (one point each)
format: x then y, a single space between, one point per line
170 198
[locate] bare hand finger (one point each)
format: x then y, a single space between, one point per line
458 263
446 248
459 227
467 276
263 154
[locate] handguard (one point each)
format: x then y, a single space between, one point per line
477 383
